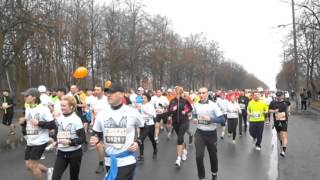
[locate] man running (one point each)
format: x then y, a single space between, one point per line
160 103
281 109
243 102
38 120
256 112
116 128
205 114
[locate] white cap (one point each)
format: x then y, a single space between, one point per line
140 89
42 89
169 90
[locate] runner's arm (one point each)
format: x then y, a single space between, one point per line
81 138
47 124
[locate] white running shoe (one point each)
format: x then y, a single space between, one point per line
50 146
258 148
283 154
233 142
49 173
184 155
178 162
43 157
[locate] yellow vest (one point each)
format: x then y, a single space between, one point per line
257 110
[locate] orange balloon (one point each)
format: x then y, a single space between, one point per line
80 72
107 84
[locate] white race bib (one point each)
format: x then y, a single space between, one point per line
115 136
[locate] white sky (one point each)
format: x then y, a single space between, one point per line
245 29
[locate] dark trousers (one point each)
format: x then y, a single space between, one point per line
256 131
303 105
125 172
243 117
202 140
147 131
232 127
63 159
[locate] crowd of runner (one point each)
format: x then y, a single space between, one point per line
116 124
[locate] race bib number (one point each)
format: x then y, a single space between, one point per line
242 106
32 130
146 118
63 135
115 136
280 116
204 120
255 115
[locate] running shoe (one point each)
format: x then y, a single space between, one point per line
258 148
185 155
178 162
99 169
190 139
49 173
283 154
43 157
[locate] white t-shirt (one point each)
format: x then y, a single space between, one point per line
159 103
100 105
35 134
46 100
148 113
205 113
90 101
223 105
57 107
118 128
67 127
132 98
233 110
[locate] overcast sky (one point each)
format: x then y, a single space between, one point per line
245 29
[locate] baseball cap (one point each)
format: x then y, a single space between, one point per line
169 90
140 89
31 92
42 89
279 93
116 88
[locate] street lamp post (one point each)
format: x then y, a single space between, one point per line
296 68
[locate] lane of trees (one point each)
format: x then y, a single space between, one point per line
308 47
43 42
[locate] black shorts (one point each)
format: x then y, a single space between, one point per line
7 118
162 116
34 152
281 125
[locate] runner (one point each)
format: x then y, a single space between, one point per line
256 110
222 102
100 105
243 102
38 120
8 111
44 98
74 92
281 109
116 128
178 110
233 111
160 103
205 114
70 136
148 114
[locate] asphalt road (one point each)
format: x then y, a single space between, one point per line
239 161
